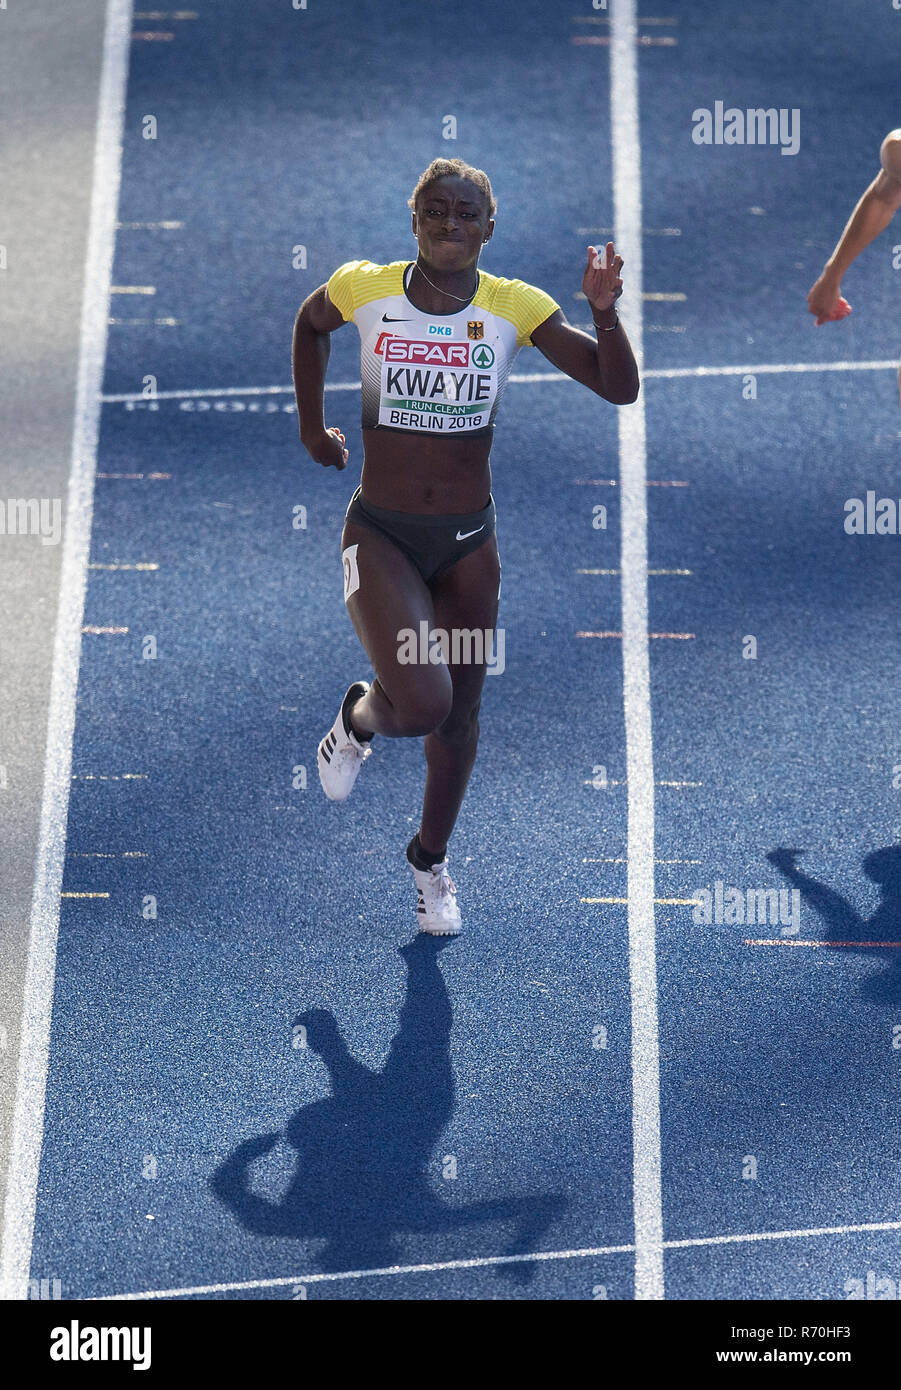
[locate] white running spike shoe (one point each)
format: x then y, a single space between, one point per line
341 754
437 910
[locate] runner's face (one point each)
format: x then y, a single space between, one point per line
451 222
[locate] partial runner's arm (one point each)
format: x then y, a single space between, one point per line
607 366
871 216
316 320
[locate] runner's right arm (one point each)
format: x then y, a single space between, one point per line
316 320
871 216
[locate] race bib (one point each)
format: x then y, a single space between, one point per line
438 386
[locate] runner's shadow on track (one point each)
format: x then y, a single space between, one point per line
844 924
363 1153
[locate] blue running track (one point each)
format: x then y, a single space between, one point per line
262 1084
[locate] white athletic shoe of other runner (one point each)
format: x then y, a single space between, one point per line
436 909
341 754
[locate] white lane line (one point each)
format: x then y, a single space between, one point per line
785 1235
193 394
623 860
109 777
485 1262
648 231
660 373
650 572
534 1257
646 1184
769 368
600 19
623 782
671 902
118 854
605 41
28 1119
653 296
614 482
793 941
149 226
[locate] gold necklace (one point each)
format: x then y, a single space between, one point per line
464 299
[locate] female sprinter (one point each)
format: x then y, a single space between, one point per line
438 338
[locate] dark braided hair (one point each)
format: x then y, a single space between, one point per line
454 168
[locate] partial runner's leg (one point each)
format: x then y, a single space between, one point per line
465 600
406 700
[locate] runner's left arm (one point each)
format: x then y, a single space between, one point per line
607 366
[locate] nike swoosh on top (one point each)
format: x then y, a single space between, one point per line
466 534
385 319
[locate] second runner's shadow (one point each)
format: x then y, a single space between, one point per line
362 1153
844 924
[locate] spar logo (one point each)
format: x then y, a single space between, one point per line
428 354
394 349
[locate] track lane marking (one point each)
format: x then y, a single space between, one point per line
792 941
109 777
623 860
533 1257
520 378
614 482
640 40
106 854
37 1006
627 219
671 902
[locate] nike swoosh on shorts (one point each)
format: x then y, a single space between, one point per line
466 534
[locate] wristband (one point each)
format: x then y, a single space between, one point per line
600 326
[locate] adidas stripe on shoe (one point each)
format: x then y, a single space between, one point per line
437 910
341 754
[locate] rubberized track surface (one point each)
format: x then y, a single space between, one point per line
474 1103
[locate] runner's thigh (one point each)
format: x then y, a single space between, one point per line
465 598
387 595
